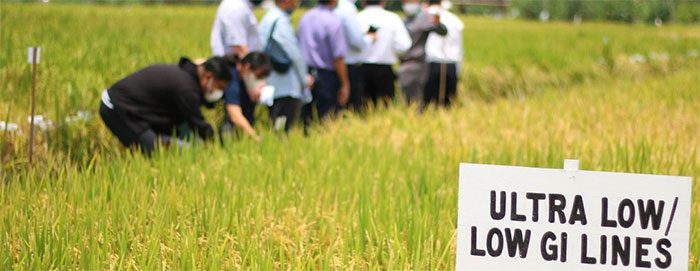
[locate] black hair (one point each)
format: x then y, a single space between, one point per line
219 67
324 2
373 2
259 63
434 2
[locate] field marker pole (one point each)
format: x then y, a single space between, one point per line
442 84
34 58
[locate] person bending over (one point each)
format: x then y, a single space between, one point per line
147 106
243 92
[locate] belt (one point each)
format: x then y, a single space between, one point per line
312 69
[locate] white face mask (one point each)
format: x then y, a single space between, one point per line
251 82
411 9
214 95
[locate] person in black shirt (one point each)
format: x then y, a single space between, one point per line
151 103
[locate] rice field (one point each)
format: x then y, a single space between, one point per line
366 193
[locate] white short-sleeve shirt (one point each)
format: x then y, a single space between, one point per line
448 48
235 25
392 35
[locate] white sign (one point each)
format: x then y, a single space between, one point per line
519 218
30 55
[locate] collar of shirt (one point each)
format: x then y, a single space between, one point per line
410 19
248 3
345 4
374 7
278 12
325 7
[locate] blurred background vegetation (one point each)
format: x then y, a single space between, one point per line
630 11
686 11
362 192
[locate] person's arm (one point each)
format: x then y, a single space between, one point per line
437 26
232 105
235 115
236 33
354 33
339 47
189 107
342 71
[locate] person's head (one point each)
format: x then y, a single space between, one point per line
434 8
253 69
214 75
411 7
331 3
287 5
446 4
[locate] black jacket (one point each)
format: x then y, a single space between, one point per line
161 97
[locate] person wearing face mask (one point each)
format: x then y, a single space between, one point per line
276 26
148 105
444 57
413 70
242 93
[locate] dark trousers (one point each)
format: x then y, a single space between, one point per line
357 82
325 93
432 87
116 124
284 112
379 83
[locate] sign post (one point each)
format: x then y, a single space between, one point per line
34 57
520 218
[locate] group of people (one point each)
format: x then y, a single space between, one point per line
339 58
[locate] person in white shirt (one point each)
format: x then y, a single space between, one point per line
235 29
391 39
444 56
358 40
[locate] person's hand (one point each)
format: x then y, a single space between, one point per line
435 19
310 81
257 91
372 37
343 94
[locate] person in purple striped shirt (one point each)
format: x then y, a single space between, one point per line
323 47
